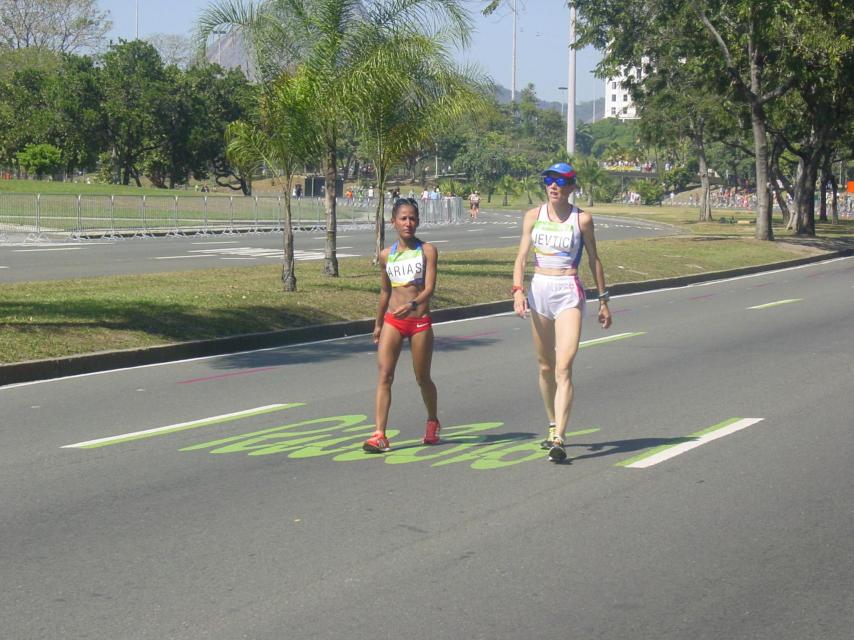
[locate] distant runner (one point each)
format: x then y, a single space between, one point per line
474 205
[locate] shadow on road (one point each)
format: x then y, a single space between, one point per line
621 447
329 351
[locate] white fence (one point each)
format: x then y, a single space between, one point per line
95 215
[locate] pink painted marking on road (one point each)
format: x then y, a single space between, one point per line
470 337
707 295
226 375
760 285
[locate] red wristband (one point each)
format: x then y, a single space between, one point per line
516 288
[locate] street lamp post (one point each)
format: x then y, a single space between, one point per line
594 98
570 102
513 67
564 105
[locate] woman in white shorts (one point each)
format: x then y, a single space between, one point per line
558 232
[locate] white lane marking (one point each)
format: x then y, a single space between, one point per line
777 303
135 435
678 449
437 241
606 339
47 249
217 242
176 257
256 252
245 258
4 267
507 237
89 243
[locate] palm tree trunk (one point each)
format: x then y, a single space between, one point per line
330 267
289 278
379 218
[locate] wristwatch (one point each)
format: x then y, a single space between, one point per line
604 296
414 303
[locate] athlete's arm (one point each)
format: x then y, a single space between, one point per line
585 221
431 258
520 301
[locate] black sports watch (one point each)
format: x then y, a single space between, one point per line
413 303
604 296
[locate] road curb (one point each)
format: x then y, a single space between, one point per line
46 369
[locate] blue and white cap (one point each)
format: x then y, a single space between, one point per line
562 169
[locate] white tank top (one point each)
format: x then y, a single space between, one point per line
557 245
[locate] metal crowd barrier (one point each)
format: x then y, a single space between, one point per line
127 216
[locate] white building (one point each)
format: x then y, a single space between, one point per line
618 101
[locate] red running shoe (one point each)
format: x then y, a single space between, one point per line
431 433
377 443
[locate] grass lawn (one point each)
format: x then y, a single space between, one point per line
80 187
49 319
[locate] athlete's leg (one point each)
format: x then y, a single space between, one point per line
421 345
388 351
567 334
543 330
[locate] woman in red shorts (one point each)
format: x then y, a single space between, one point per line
408 281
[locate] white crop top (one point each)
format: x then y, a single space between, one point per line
405 267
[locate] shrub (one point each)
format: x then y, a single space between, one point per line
40 159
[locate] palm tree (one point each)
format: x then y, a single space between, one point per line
330 40
410 92
281 138
508 185
531 184
590 176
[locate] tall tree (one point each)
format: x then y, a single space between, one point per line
328 39
176 49
280 137
202 101
407 91
64 26
136 89
745 37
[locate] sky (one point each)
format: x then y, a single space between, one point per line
541 42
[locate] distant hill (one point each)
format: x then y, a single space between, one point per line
583 110
229 51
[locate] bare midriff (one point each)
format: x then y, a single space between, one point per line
556 272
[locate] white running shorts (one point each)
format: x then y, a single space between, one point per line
549 295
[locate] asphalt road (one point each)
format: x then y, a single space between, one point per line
709 493
59 258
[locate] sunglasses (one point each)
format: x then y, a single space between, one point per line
560 180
